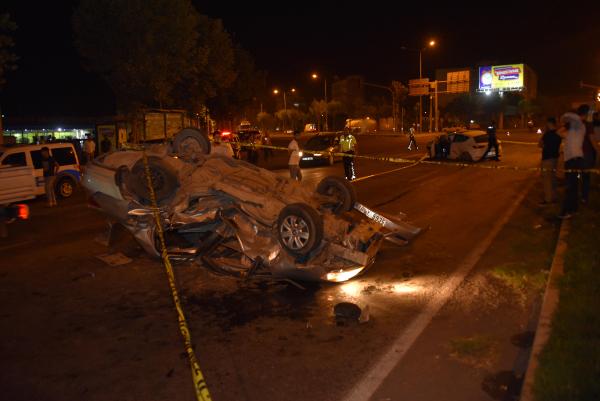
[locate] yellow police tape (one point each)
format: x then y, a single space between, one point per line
200 386
392 159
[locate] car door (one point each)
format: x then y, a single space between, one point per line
458 145
38 173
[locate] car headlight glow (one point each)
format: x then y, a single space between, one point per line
343 275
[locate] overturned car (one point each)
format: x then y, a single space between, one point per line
238 219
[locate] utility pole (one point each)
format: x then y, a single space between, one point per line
420 96
326 107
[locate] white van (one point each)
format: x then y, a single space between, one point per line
69 173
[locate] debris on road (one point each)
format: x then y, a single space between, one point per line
114 259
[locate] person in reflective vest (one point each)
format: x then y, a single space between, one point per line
348 146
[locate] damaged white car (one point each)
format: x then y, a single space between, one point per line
238 219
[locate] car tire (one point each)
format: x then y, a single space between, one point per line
341 189
465 157
190 143
163 177
299 229
65 187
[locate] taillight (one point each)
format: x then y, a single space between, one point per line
22 211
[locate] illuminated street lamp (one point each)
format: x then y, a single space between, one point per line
276 92
431 43
316 76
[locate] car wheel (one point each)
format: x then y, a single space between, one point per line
164 180
465 157
341 190
65 187
190 143
299 229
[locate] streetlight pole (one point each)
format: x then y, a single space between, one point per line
420 96
326 107
393 99
431 43
316 76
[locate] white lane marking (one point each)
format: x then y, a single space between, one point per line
371 381
18 244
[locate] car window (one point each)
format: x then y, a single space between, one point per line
481 138
460 138
320 142
15 159
36 158
64 156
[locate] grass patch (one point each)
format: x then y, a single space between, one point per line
476 350
570 362
520 277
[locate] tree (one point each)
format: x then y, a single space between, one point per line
8 60
237 99
317 109
154 52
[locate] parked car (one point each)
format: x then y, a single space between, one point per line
324 145
238 219
466 145
69 172
16 184
248 153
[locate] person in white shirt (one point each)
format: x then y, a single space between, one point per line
220 148
573 132
89 148
294 162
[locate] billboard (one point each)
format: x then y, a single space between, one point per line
501 77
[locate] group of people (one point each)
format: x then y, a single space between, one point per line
89 147
347 145
578 132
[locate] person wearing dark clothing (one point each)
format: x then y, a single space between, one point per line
105 145
550 144
411 138
589 152
50 168
492 142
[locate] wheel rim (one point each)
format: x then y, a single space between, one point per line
66 189
294 232
190 147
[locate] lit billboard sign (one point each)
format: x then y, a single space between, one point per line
501 77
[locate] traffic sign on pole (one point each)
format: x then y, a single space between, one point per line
418 87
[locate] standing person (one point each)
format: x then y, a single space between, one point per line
573 133
220 148
492 142
411 138
50 168
294 162
550 144
589 152
105 145
89 147
348 146
267 152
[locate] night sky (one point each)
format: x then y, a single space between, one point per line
562 43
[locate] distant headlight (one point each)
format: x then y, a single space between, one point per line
317 154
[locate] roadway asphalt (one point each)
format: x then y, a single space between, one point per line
73 327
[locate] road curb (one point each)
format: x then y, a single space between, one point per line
544 326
